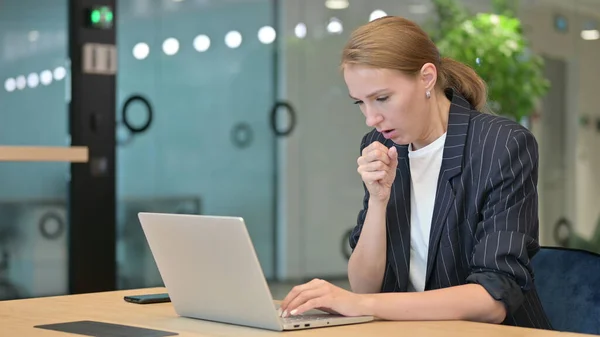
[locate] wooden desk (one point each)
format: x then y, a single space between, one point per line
18 318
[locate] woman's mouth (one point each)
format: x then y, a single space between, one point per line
388 134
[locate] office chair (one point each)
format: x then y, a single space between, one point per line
568 283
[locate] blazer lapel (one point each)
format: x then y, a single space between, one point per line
458 125
399 236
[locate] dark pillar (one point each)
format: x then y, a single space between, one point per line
92 218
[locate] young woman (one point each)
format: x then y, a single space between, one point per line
450 219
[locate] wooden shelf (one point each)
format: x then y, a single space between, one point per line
73 154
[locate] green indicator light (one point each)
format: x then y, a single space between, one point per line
95 16
100 17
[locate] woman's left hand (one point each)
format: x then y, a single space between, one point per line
322 295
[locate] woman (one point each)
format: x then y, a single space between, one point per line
449 221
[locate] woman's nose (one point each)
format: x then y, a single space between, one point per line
373 119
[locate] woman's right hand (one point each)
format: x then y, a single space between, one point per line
377 168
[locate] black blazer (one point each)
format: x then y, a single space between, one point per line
485 220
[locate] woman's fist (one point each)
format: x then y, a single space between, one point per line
377 168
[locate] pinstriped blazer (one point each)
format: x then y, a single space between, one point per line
484 228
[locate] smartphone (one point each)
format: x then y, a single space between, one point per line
148 298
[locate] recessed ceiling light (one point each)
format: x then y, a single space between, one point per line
201 43
170 46
60 73
335 26
590 34
141 51
233 39
300 30
46 77
337 4
376 14
10 84
33 80
267 34
21 82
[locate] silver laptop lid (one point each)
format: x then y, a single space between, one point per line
210 268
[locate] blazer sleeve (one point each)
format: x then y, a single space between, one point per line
362 214
388 283
506 236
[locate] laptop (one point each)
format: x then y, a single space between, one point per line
211 271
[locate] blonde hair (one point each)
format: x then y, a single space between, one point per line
396 43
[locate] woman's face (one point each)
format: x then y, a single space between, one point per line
393 103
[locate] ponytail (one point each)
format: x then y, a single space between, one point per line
464 80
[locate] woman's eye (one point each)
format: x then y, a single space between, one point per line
383 99
357 102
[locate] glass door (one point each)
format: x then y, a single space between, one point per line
195 89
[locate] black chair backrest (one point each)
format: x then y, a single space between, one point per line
568 284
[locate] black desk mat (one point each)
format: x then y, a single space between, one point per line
102 329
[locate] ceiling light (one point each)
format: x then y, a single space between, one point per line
201 43
46 77
59 73
376 14
337 4
335 26
233 39
300 30
21 82
33 80
10 84
266 35
170 46
590 34
141 51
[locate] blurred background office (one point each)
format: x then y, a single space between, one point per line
250 117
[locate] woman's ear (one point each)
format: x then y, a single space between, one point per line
428 76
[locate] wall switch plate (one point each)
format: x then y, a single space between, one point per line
100 59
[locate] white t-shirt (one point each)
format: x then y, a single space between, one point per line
425 166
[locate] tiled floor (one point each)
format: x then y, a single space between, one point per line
281 289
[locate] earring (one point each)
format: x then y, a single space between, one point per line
428 94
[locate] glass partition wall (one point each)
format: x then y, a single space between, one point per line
206 69
33 112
